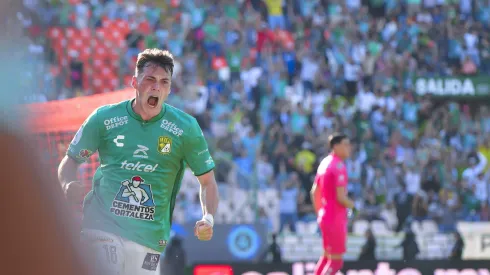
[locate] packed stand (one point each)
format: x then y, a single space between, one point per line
269 81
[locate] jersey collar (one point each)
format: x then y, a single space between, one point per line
334 156
131 112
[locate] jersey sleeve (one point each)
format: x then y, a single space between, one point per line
86 140
196 152
340 174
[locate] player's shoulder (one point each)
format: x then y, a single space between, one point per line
335 164
120 107
338 164
324 164
179 116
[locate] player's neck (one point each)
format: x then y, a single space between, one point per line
337 156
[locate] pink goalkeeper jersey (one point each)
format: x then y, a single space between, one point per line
331 173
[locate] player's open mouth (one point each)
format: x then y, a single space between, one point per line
153 101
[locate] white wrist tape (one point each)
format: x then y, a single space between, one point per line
209 219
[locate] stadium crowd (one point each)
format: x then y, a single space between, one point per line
270 80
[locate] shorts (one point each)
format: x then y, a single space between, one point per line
334 238
113 255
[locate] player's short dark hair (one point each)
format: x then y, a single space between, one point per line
336 138
157 57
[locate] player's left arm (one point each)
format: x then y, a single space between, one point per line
208 193
199 159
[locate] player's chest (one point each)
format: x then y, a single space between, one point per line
144 141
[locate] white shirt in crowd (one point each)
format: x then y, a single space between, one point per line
321 123
430 3
470 40
295 93
309 69
354 170
319 19
389 30
358 52
287 203
424 17
470 174
465 6
387 102
332 63
265 170
365 101
199 103
351 72
318 101
481 188
377 117
251 78
353 4
412 181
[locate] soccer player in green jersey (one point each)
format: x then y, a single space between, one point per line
144 146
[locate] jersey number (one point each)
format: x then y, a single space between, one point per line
110 252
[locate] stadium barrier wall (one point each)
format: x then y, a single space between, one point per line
351 268
230 243
68 115
248 242
476 236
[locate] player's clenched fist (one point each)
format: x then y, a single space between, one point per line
74 191
204 228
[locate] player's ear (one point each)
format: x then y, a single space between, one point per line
134 82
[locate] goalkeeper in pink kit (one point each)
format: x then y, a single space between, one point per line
329 195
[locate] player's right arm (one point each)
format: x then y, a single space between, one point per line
316 196
83 145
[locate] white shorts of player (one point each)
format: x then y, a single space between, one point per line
113 255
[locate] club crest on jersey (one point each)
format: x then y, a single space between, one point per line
134 200
164 145
340 165
85 154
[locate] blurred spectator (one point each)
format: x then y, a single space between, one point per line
76 74
403 203
372 208
273 250
133 40
444 213
288 203
485 212
409 245
420 206
368 251
457 251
